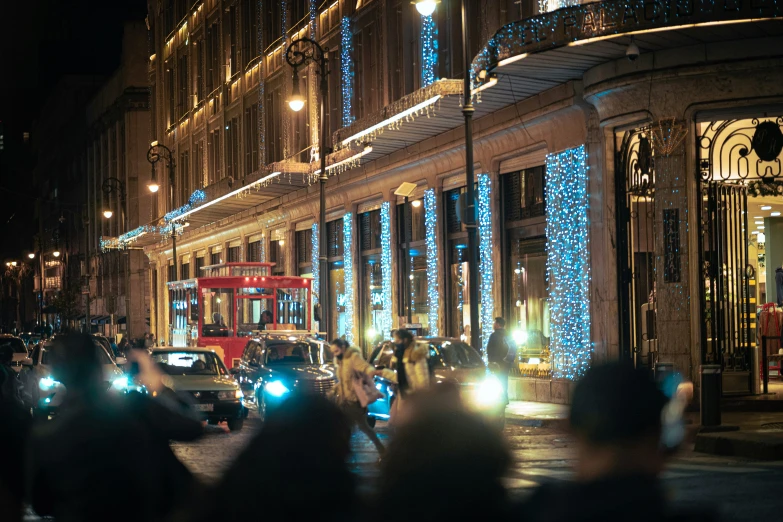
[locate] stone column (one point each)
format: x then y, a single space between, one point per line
671 245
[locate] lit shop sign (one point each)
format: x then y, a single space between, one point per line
573 25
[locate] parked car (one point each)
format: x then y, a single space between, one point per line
43 395
105 343
201 374
450 360
17 346
275 365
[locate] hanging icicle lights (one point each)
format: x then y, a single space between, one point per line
386 270
198 196
346 68
348 274
486 263
568 263
431 240
429 51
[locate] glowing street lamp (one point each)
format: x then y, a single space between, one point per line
108 214
56 253
31 255
296 102
425 7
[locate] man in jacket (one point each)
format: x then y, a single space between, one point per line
500 354
348 363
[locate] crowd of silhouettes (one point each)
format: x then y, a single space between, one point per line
108 458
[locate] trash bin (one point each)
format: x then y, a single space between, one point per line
710 394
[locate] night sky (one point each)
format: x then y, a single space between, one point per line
40 41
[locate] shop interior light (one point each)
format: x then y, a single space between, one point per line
775 214
416 203
762 238
766 207
760 227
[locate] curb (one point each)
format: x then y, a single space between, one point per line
529 422
756 444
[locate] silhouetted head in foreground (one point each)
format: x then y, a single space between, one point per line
77 363
294 469
443 464
616 417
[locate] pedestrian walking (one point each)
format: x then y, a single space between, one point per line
412 371
148 341
123 347
101 444
501 353
9 381
616 417
349 365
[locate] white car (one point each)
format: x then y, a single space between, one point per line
43 395
17 346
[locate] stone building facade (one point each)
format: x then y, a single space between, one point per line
608 193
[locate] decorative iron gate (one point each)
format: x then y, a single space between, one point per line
726 333
635 193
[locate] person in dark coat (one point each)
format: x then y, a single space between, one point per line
616 418
500 354
101 446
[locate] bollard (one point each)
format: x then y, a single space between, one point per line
710 394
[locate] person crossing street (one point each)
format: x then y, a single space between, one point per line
501 353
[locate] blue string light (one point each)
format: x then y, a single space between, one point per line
430 227
429 51
197 197
486 263
348 274
568 265
261 85
346 68
386 270
316 267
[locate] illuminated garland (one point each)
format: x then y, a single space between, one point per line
348 274
568 265
346 68
197 197
261 85
431 239
429 51
486 263
545 6
286 134
313 81
316 268
386 270
262 250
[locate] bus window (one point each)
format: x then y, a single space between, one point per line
249 314
292 309
218 312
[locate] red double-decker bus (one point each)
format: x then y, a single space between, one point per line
224 306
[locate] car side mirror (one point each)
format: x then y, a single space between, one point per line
27 362
121 360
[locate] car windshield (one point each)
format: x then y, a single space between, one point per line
460 355
189 363
104 356
17 346
295 352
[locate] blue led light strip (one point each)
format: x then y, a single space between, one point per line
197 197
316 267
429 51
348 274
346 68
568 262
386 270
486 263
431 239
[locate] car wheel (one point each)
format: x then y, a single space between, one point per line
371 421
235 424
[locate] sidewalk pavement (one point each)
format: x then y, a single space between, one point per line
752 435
537 414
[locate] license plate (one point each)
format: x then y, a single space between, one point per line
204 407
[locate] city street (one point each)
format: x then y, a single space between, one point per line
746 490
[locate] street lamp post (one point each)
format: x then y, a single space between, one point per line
300 53
426 8
156 152
110 186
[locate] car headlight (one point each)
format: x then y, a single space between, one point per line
47 383
230 394
120 383
276 388
490 391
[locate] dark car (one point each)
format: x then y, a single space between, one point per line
450 360
274 366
